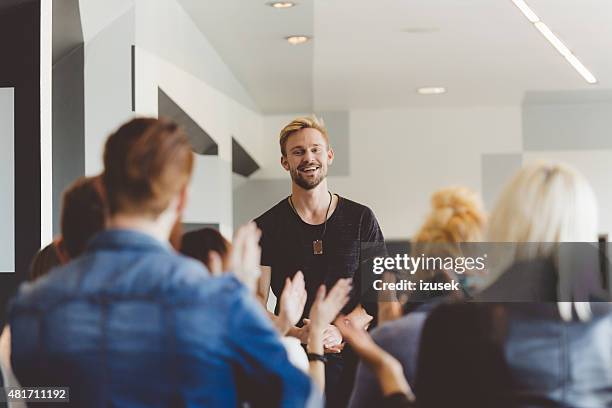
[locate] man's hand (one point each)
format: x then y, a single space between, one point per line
292 301
331 336
332 339
324 310
246 254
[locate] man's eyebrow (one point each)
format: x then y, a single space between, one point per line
302 147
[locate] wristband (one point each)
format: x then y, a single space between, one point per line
317 357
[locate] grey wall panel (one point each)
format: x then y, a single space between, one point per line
497 169
7 179
201 141
567 120
68 126
338 128
242 162
108 86
254 197
67 30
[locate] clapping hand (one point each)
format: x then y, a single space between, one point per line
292 302
246 255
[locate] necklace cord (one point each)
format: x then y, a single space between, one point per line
326 212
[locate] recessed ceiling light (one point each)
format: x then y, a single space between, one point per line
431 90
297 39
281 4
555 41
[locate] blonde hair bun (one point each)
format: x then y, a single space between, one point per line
456 216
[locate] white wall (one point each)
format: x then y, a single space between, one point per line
108 84
399 157
165 29
7 179
170 53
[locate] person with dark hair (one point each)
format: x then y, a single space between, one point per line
461 361
461 358
45 259
133 323
395 390
84 214
209 247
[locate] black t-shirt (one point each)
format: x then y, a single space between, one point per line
352 237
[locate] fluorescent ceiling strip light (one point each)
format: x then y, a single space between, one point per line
526 10
555 41
552 38
582 70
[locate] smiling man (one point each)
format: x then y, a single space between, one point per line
321 234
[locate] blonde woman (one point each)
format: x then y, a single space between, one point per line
457 221
537 225
456 218
559 352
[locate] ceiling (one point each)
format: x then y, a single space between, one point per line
374 54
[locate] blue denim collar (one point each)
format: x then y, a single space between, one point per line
126 239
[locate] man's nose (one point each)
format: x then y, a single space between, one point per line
309 156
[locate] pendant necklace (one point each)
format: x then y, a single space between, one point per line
317 244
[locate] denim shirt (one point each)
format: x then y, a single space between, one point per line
133 324
557 363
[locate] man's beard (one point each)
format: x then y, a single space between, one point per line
307 184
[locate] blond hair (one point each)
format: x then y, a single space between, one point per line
456 216
302 122
545 202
